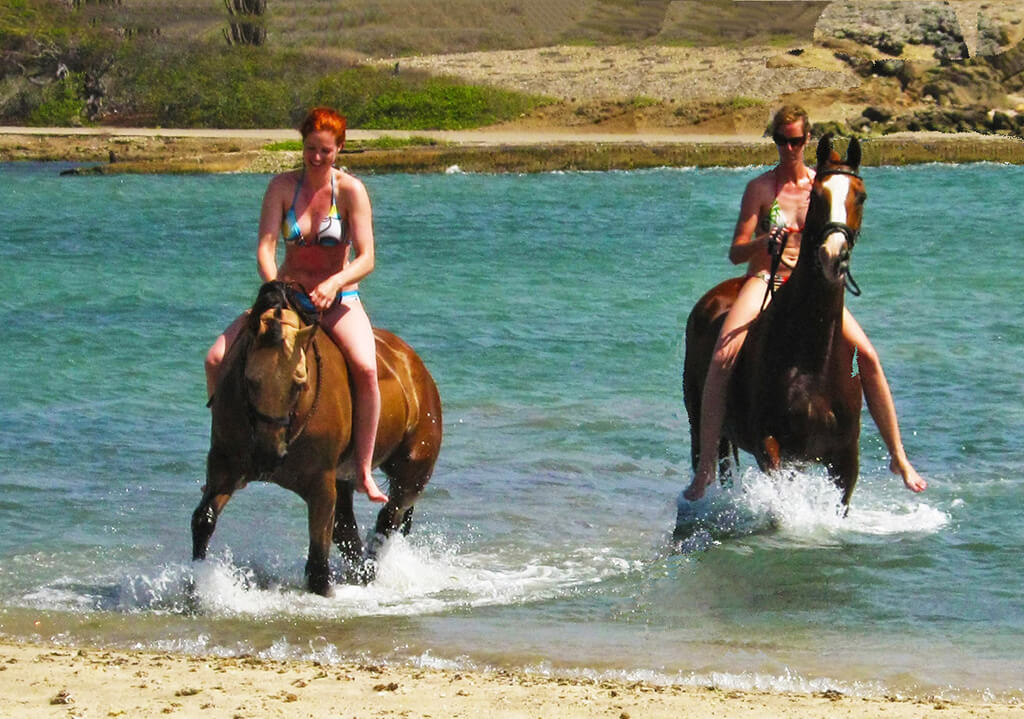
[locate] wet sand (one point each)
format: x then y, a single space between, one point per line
52 681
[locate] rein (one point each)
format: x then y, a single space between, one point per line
848 232
851 239
844 229
776 251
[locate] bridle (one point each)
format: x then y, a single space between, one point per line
828 228
842 228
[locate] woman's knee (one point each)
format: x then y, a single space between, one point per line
725 353
364 374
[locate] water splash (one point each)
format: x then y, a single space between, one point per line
801 506
414 577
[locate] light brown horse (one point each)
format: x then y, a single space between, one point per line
282 412
792 396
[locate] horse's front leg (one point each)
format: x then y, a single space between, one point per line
204 521
220 484
320 501
346 532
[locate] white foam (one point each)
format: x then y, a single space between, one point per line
414 577
803 506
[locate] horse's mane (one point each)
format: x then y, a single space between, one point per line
272 296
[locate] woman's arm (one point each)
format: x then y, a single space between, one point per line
271 216
745 240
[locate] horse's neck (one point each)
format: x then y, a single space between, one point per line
809 323
815 307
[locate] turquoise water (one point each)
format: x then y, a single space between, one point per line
549 308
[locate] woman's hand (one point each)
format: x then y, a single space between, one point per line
324 294
776 239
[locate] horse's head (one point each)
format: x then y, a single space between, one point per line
275 375
836 209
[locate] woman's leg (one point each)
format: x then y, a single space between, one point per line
215 355
880 402
712 406
349 326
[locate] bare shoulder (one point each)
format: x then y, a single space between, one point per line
283 183
762 187
347 181
350 185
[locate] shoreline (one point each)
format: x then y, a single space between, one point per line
39 680
105 150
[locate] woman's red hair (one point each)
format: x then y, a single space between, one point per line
324 118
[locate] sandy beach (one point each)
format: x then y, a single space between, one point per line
54 681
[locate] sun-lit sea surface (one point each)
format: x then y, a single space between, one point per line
550 309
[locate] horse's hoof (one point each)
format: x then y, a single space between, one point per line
368 573
324 590
689 515
692 506
360 572
320 584
374 544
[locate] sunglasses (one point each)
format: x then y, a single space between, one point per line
791 142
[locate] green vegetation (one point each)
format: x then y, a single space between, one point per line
639 102
396 143
60 104
60 66
740 102
376 100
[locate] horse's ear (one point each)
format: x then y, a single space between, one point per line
303 336
853 153
824 149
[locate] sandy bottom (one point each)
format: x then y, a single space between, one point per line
51 681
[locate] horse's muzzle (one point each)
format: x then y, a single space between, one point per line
834 257
270 447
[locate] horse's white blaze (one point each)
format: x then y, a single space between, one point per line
837 188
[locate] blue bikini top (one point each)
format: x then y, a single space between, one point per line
332 230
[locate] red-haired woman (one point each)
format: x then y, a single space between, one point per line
324 217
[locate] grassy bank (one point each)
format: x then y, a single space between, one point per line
70 64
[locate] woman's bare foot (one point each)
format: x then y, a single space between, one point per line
914 481
371 490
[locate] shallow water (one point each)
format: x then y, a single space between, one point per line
549 309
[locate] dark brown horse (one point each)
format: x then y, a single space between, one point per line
792 397
282 412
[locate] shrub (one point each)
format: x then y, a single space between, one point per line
61 103
373 99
